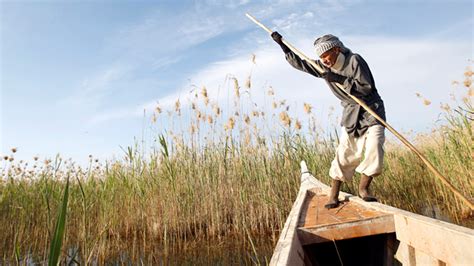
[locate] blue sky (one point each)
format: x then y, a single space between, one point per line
76 76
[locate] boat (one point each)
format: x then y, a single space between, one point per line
365 233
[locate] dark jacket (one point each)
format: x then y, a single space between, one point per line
359 83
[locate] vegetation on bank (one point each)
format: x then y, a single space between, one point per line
221 177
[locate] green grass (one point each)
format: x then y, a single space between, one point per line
57 238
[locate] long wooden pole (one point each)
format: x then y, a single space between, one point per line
430 166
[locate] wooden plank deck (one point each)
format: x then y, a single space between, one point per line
350 220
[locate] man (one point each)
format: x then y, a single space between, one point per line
360 130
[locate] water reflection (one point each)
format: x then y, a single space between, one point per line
223 252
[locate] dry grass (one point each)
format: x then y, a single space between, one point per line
216 179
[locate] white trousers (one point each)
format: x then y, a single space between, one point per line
350 151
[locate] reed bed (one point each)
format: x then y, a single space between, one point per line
213 179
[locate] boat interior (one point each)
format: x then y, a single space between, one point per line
365 233
349 235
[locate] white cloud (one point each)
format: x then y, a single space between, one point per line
113 115
271 70
92 90
151 44
166 103
166 61
161 34
161 39
401 67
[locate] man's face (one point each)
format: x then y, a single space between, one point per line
329 57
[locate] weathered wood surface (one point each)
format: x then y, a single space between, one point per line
444 243
350 220
289 250
422 240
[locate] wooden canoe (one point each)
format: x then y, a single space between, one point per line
363 233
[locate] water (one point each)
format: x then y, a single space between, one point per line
229 252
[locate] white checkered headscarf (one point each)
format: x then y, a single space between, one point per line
326 42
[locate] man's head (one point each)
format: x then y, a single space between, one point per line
328 48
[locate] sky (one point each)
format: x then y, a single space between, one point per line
79 78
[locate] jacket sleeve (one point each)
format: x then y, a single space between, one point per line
361 81
303 65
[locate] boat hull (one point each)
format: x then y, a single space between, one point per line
359 232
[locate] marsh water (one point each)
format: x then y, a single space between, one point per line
222 252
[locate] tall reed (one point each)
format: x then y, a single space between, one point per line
214 178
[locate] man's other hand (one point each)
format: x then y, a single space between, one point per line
333 77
